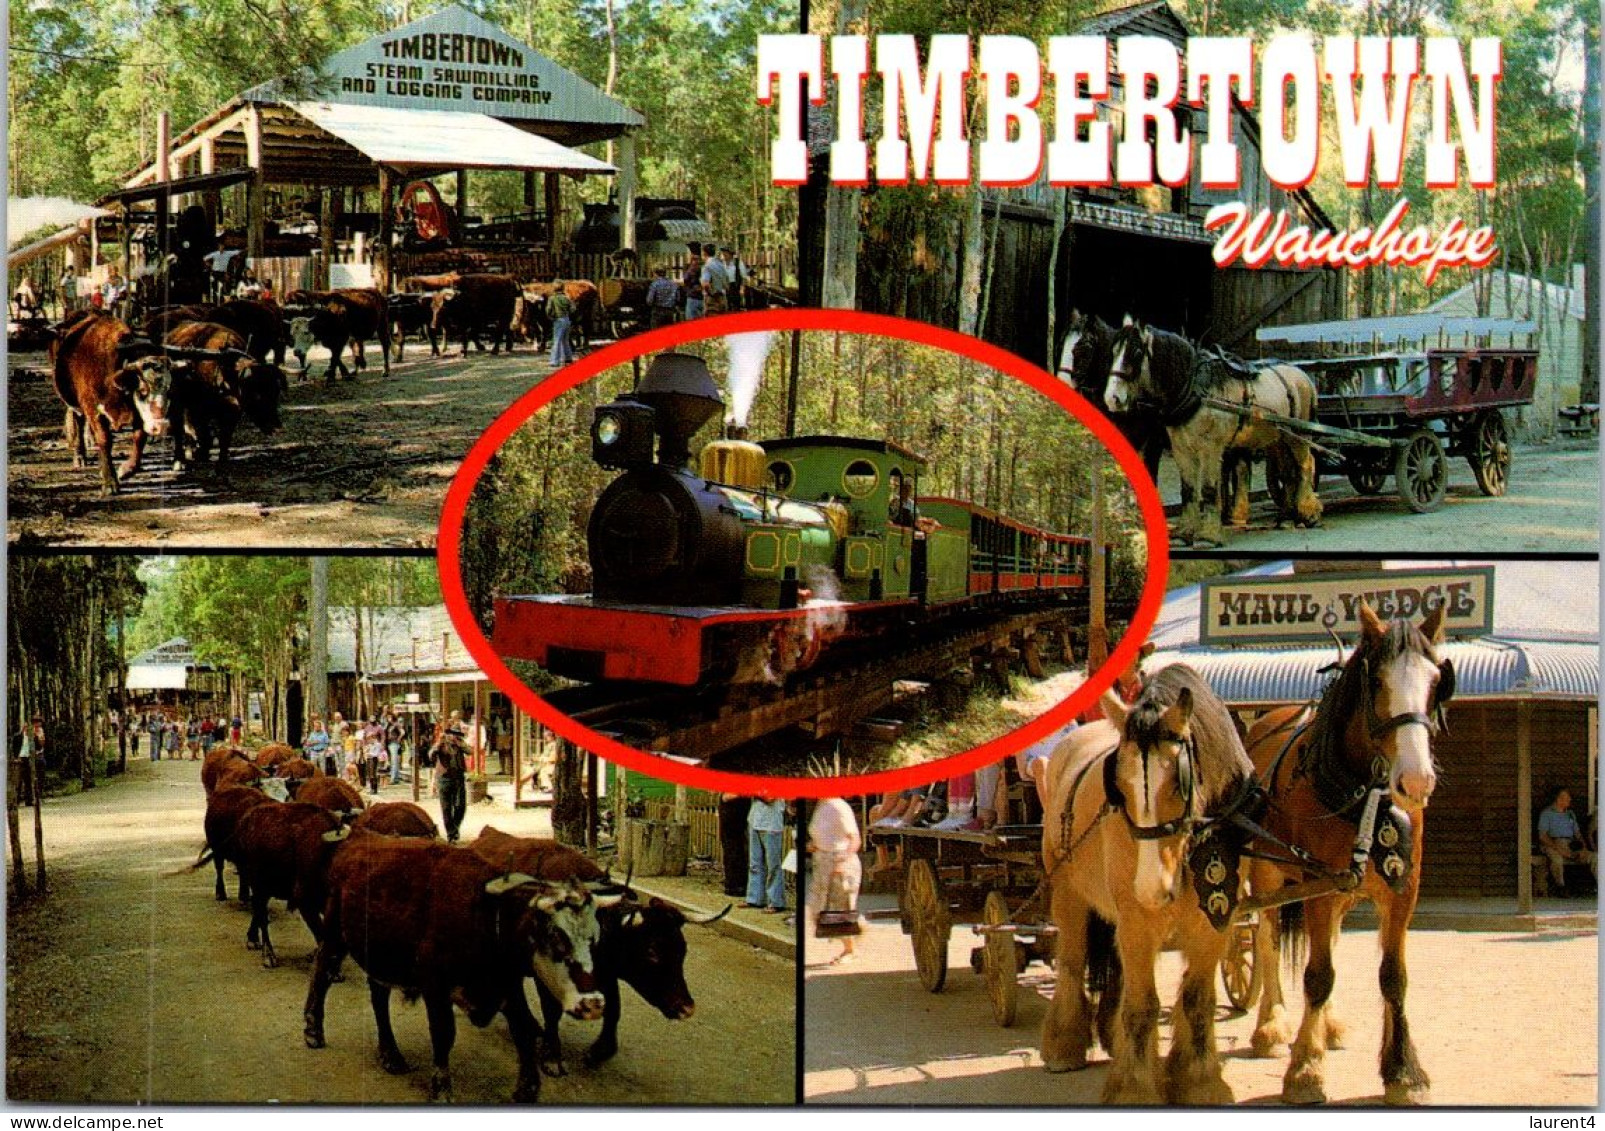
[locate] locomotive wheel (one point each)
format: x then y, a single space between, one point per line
1420 472
1002 962
1237 968
925 909
1490 454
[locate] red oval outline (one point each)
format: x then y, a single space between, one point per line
448 550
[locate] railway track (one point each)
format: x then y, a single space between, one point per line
696 726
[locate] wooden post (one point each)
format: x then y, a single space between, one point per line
381 251
554 202
627 190
1524 807
255 221
1097 630
325 237
591 821
211 199
462 196
164 202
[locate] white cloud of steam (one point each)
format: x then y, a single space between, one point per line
747 355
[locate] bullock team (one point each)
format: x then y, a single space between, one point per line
196 371
456 926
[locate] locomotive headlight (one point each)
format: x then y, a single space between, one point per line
622 434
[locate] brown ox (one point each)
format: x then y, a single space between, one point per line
164 320
535 324
478 304
109 379
224 809
275 754
282 852
396 818
333 794
238 772
261 325
211 395
333 318
642 944
216 760
436 921
297 770
415 283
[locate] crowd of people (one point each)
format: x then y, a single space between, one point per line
176 737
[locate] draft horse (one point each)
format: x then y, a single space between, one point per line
1084 361
1357 769
1124 801
1175 376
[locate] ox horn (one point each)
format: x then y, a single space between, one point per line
509 882
335 836
714 918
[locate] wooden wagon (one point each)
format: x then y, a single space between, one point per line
1406 393
992 880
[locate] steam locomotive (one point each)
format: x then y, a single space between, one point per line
749 567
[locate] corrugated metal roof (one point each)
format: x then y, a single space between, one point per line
400 642
1405 326
1483 669
447 138
1545 639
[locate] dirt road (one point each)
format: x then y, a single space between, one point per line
360 463
131 985
1476 1002
1552 506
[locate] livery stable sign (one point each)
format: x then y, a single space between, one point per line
1302 608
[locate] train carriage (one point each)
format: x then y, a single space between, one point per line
749 566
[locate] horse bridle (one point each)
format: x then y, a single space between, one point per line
1185 781
1127 372
1431 718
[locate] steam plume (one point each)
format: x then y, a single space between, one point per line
747 355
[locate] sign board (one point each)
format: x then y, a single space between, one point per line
455 60
1300 608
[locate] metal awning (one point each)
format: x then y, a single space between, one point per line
469 676
445 139
1353 331
155 190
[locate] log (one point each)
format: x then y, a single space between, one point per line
658 848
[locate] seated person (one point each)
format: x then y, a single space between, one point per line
1560 838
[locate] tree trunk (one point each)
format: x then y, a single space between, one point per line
1591 203
842 205
317 690
568 794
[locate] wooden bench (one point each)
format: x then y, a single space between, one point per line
1581 420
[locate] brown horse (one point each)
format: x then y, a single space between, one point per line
1358 767
1174 375
1124 800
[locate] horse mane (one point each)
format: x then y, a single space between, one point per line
1220 762
1345 695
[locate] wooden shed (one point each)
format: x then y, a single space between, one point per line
1124 250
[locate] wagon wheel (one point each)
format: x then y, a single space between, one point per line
1490 454
1002 961
1420 472
925 908
1237 968
1369 478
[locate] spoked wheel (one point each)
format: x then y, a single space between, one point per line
1237 968
1002 962
925 910
1369 479
1420 472
1490 454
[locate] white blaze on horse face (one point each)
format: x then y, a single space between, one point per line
1154 885
1117 394
1067 359
1407 688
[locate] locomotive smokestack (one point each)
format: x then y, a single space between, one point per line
683 397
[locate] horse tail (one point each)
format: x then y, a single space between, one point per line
1103 961
1294 938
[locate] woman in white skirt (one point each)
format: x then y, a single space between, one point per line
833 845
